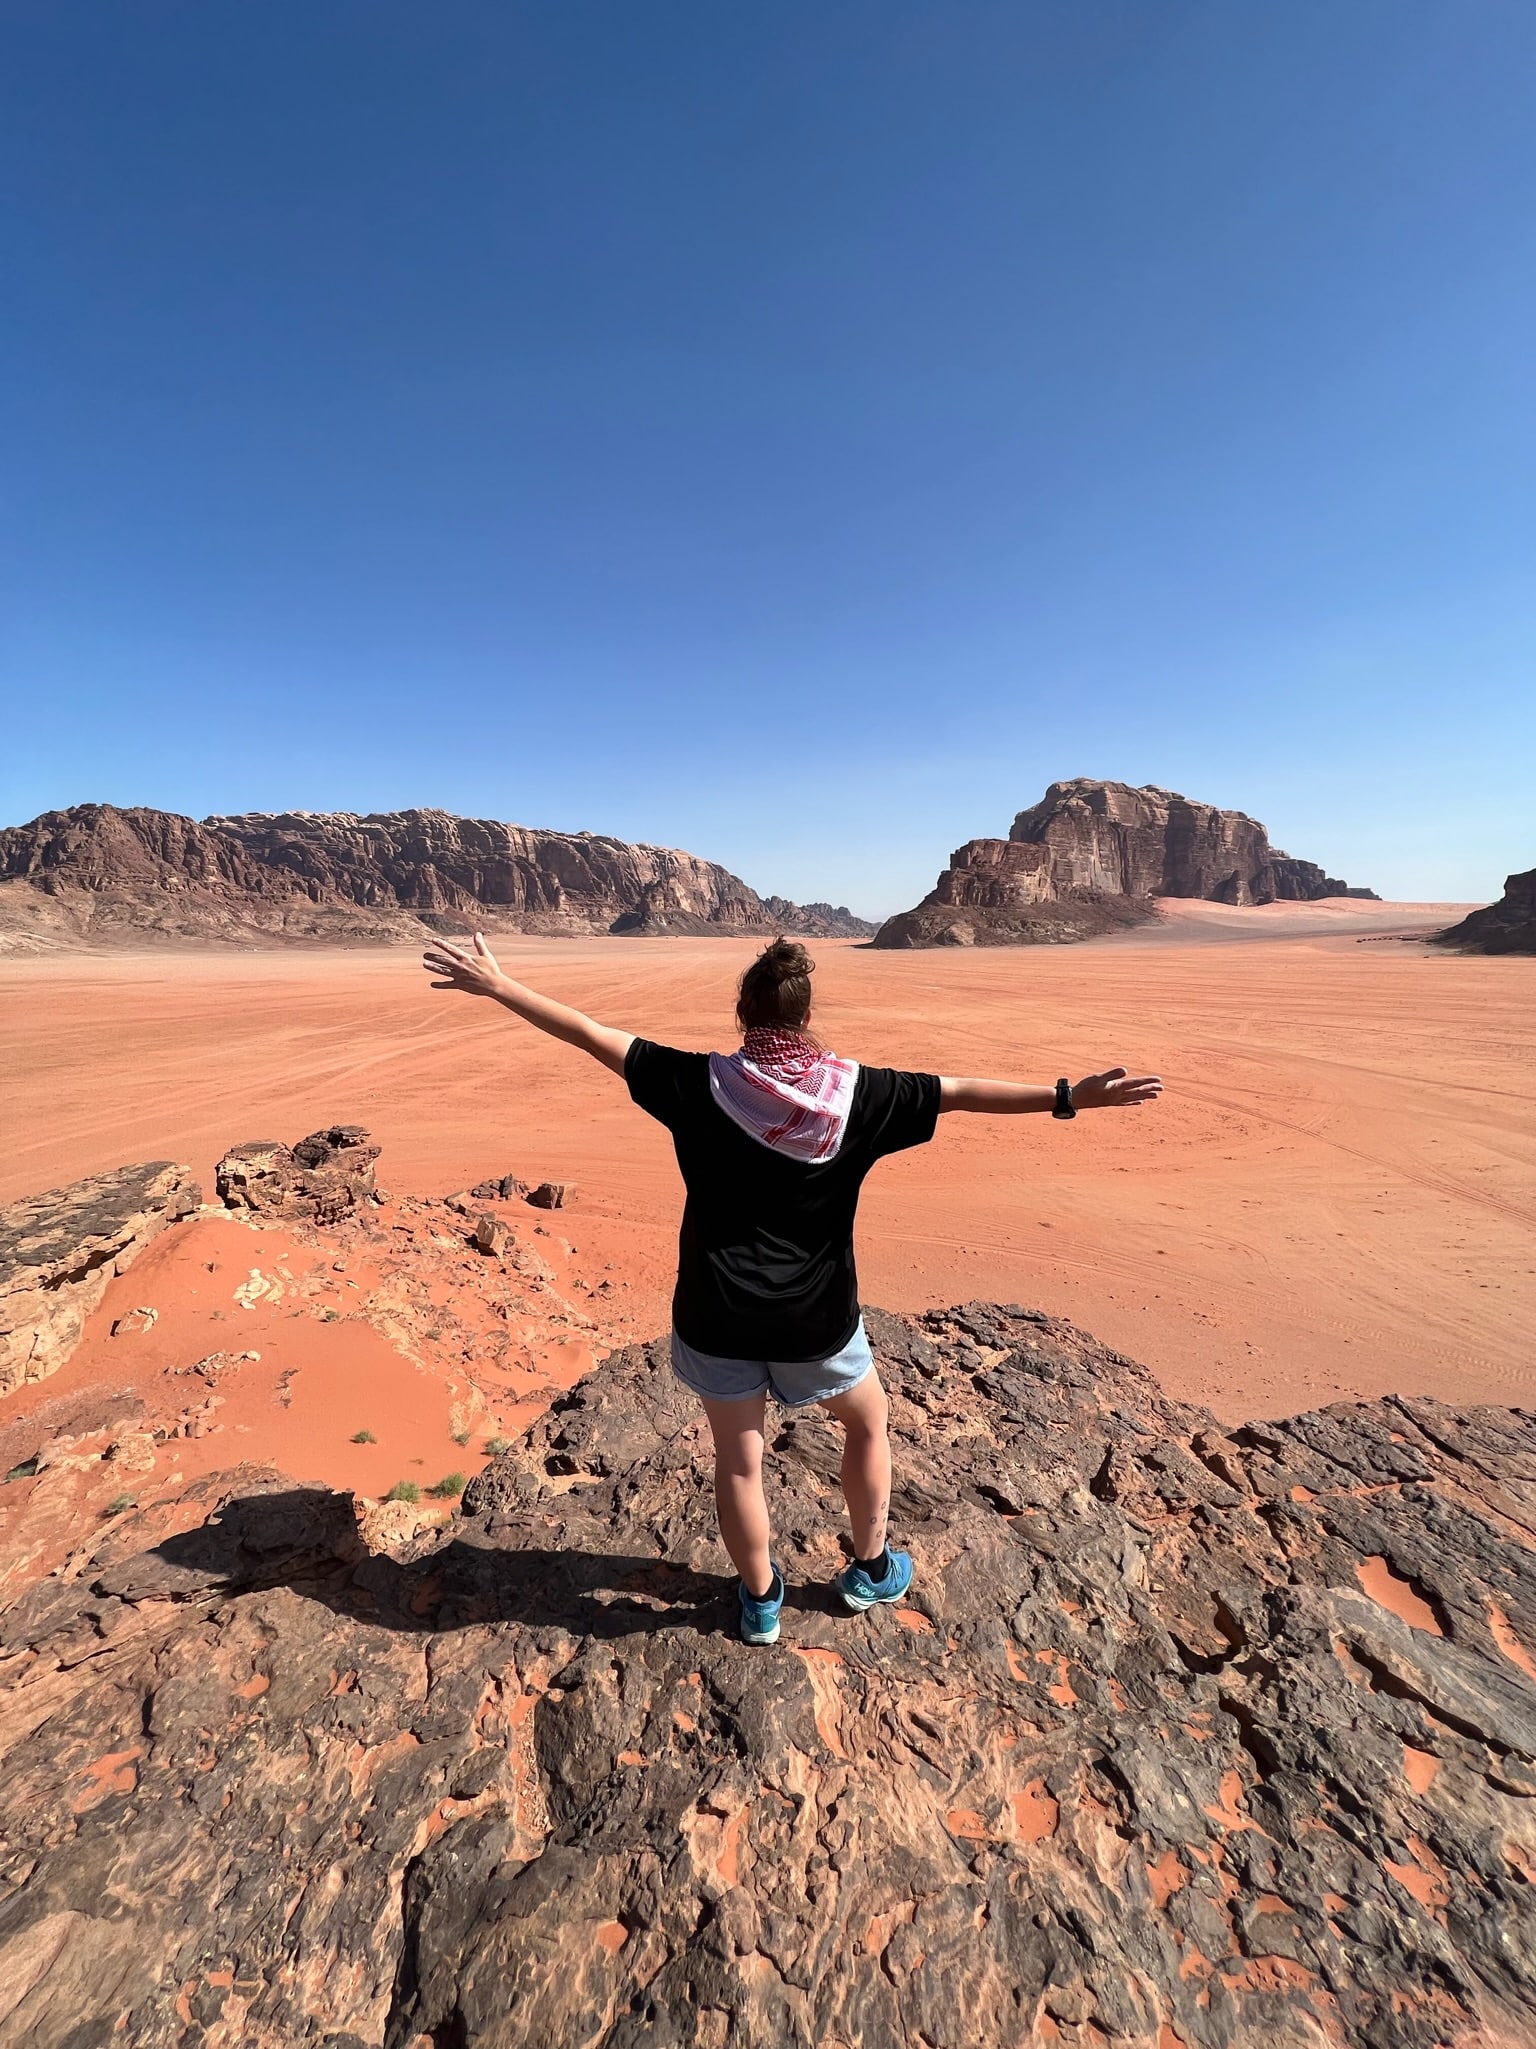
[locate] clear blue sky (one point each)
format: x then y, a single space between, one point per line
795 432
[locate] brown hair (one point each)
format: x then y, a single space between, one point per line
776 988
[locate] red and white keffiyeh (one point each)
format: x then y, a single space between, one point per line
784 1091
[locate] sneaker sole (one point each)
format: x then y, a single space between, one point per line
859 1605
761 1635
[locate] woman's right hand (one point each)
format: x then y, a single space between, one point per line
1114 1089
473 974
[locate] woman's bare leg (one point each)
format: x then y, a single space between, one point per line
737 1428
863 1413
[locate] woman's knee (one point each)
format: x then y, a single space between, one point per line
739 1458
864 1411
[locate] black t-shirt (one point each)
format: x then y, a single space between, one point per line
765 1256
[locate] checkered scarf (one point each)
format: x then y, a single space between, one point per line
784 1091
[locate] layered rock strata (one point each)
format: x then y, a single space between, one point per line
58 1251
1185 1735
1509 926
1092 856
316 1181
100 873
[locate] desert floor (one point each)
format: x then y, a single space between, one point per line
1335 1196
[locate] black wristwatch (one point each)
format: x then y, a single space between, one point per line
1064 1106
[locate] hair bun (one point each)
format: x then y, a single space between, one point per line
776 988
786 959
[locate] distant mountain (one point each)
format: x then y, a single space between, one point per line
96 875
1091 856
1509 926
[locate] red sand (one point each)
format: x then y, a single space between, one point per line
1335 1196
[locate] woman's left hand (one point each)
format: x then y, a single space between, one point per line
474 974
1114 1089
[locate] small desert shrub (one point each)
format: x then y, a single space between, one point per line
404 1490
120 1504
434 1334
24 1471
364 1437
449 1487
461 1437
330 1316
495 1446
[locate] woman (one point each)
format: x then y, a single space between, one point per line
774 1142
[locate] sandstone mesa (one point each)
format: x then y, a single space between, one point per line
1090 857
99 875
1509 926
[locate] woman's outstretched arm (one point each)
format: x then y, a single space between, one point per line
1112 1090
476 974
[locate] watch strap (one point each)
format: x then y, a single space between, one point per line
1064 1105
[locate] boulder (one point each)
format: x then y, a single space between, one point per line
58 1251
1184 1735
1090 857
492 1235
552 1194
316 1181
1509 926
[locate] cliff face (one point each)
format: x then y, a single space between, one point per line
1183 1736
1509 926
102 872
1090 856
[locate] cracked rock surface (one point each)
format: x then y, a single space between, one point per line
1184 1737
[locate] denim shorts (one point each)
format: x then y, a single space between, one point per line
794 1383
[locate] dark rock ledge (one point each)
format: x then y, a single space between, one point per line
1187 1737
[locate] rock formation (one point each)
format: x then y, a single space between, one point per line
1509 926
99 873
317 1181
58 1251
1186 1736
1091 856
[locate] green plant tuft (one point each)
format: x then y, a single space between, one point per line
120 1503
449 1487
404 1490
364 1437
461 1437
495 1446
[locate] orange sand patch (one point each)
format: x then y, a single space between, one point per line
114 1773
1425 1877
1035 1813
1166 1877
1334 1198
1507 1641
1420 1768
1390 1591
268 1349
823 1668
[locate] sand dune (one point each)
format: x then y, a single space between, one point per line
1335 1197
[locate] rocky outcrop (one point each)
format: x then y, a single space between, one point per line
1185 1735
58 1251
316 1181
97 872
1509 926
1092 856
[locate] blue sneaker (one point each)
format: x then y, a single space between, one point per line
859 1591
760 1618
